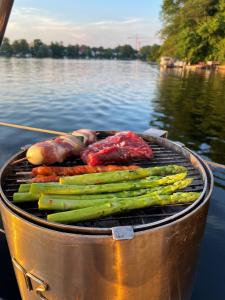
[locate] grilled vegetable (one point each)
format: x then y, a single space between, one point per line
28 197
24 187
124 204
52 203
117 176
55 188
108 177
123 194
24 197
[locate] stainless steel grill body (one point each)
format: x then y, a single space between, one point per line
157 264
152 260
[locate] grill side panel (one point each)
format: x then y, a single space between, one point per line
156 264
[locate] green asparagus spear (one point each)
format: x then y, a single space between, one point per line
24 197
28 197
24 188
107 209
64 204
50 203
123 194
42 188
118 176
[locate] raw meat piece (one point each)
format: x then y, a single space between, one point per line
122 147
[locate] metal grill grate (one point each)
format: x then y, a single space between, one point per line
162 156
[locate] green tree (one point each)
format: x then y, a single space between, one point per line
150 53
37 43
193 29
6 48
126 52
58 50
72 51
21 47
43 51
88 52
108 53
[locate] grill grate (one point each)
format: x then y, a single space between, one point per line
162 156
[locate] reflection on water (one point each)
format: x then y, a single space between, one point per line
69 94
192 108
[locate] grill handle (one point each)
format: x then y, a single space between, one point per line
28 277
156 132
121 233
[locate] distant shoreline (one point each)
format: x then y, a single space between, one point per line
22 49
193 68
79 58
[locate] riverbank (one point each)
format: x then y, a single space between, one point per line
196 67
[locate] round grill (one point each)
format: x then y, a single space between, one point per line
165 153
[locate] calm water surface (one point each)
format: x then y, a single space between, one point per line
69 94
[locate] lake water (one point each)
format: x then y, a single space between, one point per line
69 94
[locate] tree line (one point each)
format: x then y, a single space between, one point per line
194 30
38 49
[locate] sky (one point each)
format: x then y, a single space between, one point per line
107 23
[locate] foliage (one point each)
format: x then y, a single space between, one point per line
35 46
150 53
21 47
6 48
39 49
57 49
194 30
125 52
72 51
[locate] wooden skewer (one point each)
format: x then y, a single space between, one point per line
24 181
33 128
18 161
23 173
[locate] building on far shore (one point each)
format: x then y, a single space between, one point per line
171 62
166 61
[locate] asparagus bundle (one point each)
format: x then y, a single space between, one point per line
51 203
118 176
54 188
24 194
103 194
122 205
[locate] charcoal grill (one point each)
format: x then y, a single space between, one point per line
144 254
139 219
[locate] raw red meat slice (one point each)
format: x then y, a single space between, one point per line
122 147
